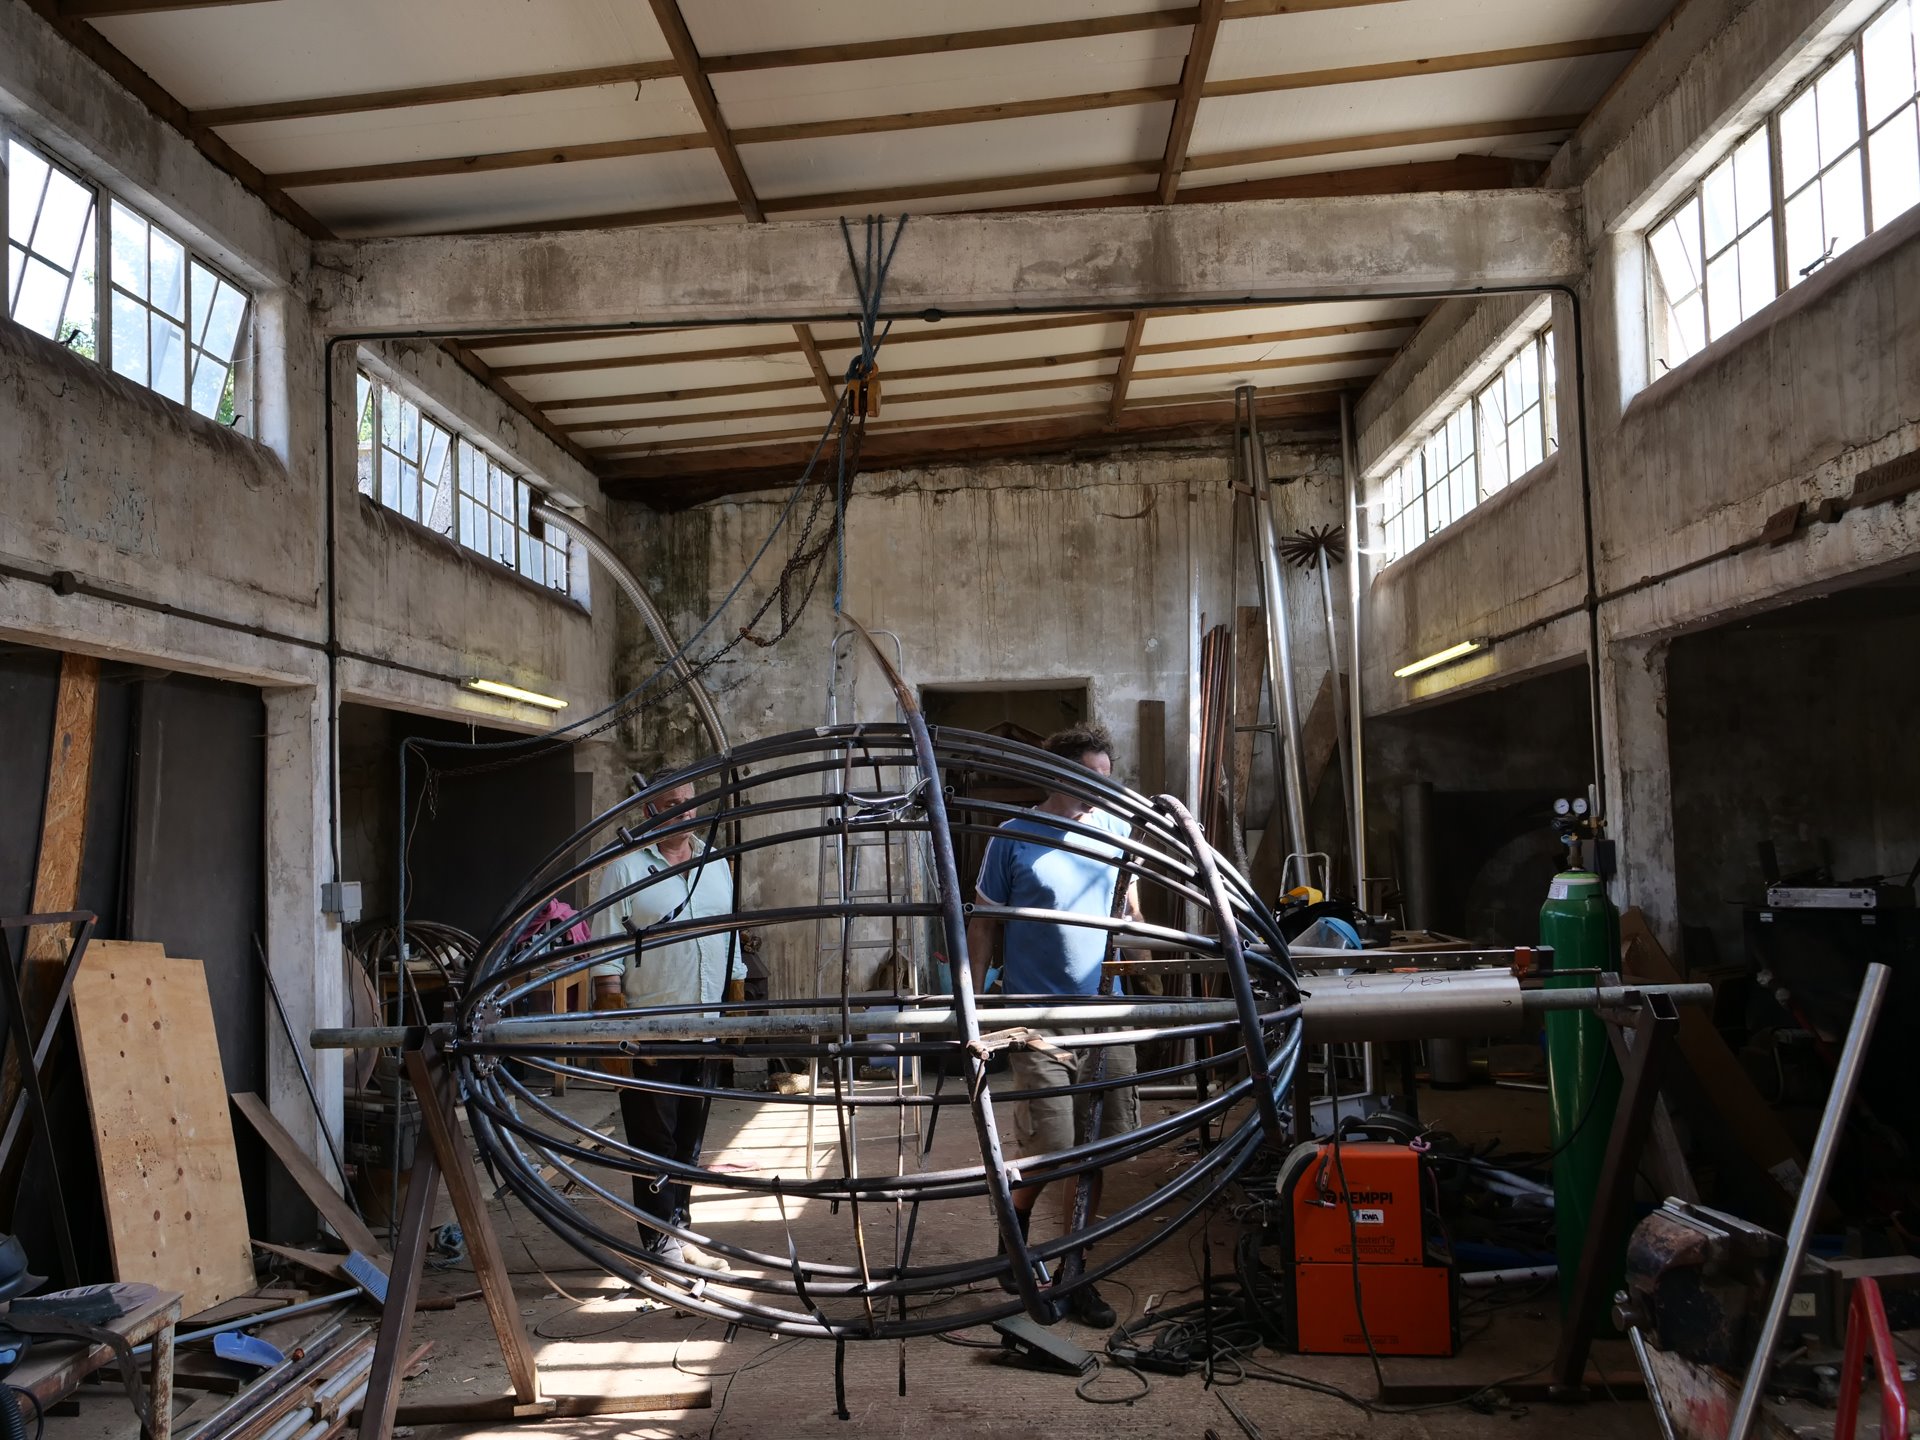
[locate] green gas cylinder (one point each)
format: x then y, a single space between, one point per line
1583 1079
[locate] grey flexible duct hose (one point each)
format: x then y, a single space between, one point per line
656 627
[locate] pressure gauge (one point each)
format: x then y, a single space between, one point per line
1563 806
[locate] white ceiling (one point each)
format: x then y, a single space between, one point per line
1112 100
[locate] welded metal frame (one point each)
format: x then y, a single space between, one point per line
767 794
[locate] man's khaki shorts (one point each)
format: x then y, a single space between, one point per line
1053 1123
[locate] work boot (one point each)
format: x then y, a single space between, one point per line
1007 1282
1088 1308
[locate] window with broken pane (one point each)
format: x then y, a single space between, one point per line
166 317
50 249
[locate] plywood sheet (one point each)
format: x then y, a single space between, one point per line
175 1214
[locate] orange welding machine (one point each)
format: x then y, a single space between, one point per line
1374 1238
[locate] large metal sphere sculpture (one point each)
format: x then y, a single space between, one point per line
878 799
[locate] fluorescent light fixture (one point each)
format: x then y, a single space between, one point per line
514 692
1437 659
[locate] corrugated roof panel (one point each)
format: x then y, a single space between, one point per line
520 197
1416 103
250 54
722 27
592 386
867 162
555 119
916 83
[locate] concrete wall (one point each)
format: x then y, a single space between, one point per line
188 546
995 575
1686 467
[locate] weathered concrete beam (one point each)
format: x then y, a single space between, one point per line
1355 245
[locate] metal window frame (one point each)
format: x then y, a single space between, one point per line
460 435
1784 279
55 166
239 365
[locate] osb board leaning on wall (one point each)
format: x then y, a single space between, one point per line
176 1217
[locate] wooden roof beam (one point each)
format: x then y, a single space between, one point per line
678 480
409 98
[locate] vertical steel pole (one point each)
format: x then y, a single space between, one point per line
1349 465
1286 713
1846 1077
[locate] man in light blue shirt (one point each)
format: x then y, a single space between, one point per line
692 970
1036 862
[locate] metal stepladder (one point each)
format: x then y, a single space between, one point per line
868 957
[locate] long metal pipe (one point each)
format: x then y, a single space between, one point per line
663 640
1286 711
1349 464
1352 1007
1846 1078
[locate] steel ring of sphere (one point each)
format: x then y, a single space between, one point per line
846 801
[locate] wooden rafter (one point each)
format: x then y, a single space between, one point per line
1386 140
1173 161
478 368
1005 35
1462 172
946 331
830 201
686 55
105 9
417 95
1183 403
1013 363
486 163
681 479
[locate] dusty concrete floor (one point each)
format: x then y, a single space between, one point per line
592 1340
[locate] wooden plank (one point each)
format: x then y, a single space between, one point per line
1281 337
767 463
63 845
948 189
486 163
1193 79
313 1184
623 362
416 95
1043 33
1123 372
483 1244
503 1409
686 56
957 115
1385 140
175 1214
1273 362
483 372
1462 172
1429 65
821 376
1250 667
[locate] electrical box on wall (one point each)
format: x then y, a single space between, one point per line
341 899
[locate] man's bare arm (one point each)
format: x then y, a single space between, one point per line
983 935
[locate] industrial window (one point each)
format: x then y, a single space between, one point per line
1838 160
1492 438
411 463
166 318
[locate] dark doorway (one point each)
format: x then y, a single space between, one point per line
1014 712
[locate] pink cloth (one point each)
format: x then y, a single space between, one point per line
556 911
